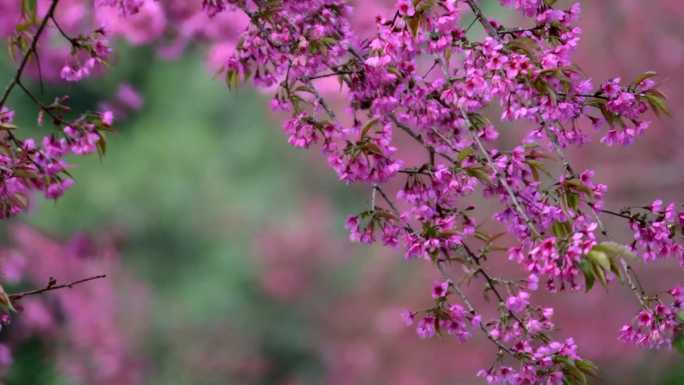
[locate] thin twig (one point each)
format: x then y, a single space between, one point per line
630 278
408 130
491 283
553 138
393 207
40 105
330 74
617 214
486 24
471 309
320 100
52 285
501 178
73 41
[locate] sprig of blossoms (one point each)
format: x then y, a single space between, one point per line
656 230
659 325
452 318
88 52
29 166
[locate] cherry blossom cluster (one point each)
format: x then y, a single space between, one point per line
30 166
655 231
421 78
659 324
521 325
452 318
39 165
88 52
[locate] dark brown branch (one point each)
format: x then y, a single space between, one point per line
330 74
74 42
52 285
417 137
27 56
491 283
388 200
40 105
616 214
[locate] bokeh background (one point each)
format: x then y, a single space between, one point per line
226 251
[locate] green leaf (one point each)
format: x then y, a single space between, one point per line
615 267
577 185
524 45
368 126
599 259
24 26
656 100
615 249
328 41
29 10
610 117
600 274
680 316
587 367
572 199
424 6
588 272
373 148
479 173
102 146
232 79
574 373
414 23
534 167
561 229
465 153
5 301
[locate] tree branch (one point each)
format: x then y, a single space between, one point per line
471 309
27 56
501 178
486 24
52 285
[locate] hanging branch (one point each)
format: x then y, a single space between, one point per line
27 56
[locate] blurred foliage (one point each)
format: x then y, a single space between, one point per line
32 366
